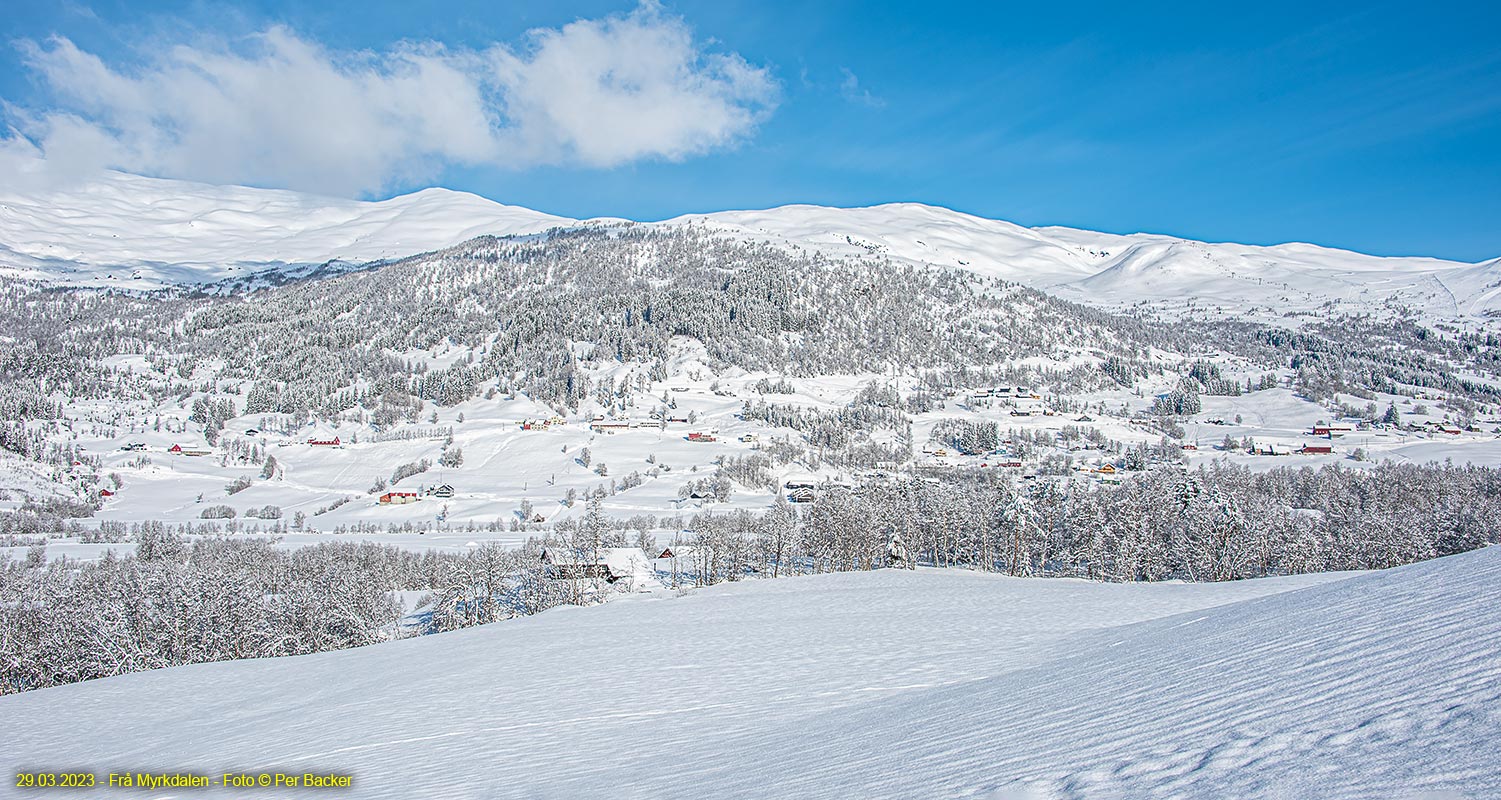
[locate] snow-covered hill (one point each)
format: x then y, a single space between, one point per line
134 231
1115 270
124 229
878 684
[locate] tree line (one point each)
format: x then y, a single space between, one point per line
181 599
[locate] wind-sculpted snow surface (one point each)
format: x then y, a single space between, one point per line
881 684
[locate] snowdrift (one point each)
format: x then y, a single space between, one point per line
886 684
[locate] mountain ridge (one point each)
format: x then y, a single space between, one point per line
157 232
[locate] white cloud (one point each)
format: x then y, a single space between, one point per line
850 89
281 110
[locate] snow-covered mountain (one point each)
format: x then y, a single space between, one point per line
937 683
1119 270
147 232
124 227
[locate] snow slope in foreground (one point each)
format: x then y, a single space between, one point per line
886 684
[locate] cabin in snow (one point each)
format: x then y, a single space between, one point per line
444 492
398 498
334 442
801 494
1315 449
610 563
106 493
176 448
677 559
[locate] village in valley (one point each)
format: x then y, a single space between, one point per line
506 469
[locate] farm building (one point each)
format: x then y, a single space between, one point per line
610 563
398 498
1315 449
444 492
677 559
334 442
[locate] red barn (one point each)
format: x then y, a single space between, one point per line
176 448
1316 449
334 442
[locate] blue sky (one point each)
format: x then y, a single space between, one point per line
1376 128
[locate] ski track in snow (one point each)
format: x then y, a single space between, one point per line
897 684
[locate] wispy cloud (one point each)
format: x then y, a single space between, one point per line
279 109
850 89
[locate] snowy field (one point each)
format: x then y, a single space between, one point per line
885 684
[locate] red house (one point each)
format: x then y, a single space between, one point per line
334 442
701 437
176 448
106 493
1316 449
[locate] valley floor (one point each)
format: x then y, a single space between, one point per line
932 683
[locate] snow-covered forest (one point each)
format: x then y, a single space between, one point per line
530 315
219 597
